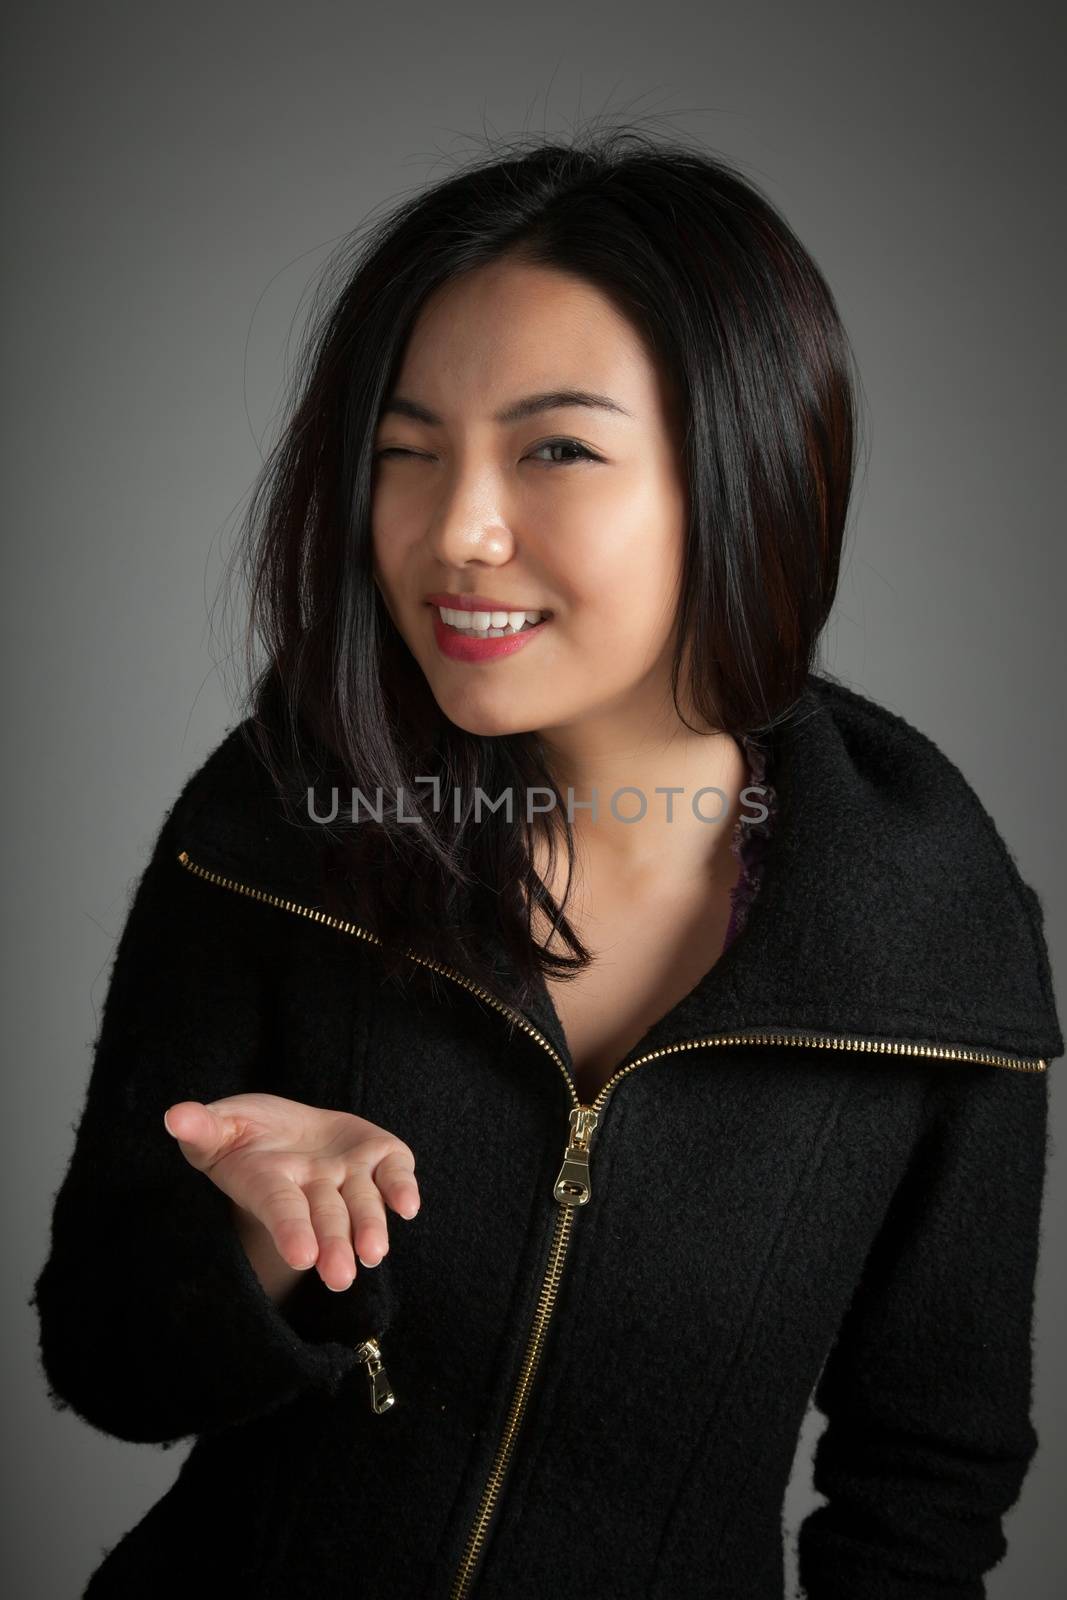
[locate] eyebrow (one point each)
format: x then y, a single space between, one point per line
517 411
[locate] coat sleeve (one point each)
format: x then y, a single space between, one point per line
152 1323
927 1389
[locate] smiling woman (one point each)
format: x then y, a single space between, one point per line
579 567
596 539
712 1126
647 452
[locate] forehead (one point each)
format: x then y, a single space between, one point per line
507 328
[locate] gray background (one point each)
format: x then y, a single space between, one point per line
173 180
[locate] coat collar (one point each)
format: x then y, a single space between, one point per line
890 908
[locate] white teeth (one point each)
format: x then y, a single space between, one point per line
493 624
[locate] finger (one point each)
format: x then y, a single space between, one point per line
281 1205
183 1119
333 1228
363 1204
395 1177
201 1132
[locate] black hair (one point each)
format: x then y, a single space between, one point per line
749 335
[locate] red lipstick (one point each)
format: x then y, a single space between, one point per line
459 646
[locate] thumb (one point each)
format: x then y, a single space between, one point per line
193 1123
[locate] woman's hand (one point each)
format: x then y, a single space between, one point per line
318 1181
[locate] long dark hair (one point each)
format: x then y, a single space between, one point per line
746 327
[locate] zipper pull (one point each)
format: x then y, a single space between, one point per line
381 1392
572 1185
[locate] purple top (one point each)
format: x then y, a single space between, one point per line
749 841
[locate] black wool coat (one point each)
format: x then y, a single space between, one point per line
582 1369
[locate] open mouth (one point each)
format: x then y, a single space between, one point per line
490 624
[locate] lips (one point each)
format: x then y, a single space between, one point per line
459 646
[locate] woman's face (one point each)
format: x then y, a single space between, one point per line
469 502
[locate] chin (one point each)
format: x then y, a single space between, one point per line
487 722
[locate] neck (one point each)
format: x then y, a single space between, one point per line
675 834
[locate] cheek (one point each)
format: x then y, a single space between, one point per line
388 579
623 561
395 511
623 627
379 550
391 549
383 578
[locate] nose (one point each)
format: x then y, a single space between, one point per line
467 524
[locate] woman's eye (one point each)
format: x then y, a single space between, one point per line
566 444
580 452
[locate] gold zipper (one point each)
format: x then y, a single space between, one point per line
808 1038
572 1189
381 1390
572 1185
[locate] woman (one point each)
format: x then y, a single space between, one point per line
450 958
